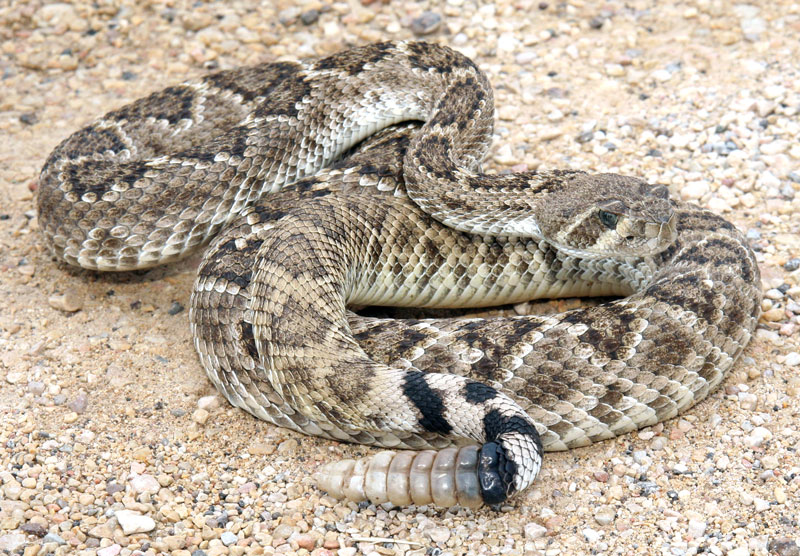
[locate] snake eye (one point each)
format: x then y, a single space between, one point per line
609 219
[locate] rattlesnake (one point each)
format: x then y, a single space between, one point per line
363 211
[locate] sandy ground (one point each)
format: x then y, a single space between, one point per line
109 443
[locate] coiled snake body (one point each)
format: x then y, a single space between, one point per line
362 211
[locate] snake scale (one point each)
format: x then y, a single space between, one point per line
355 180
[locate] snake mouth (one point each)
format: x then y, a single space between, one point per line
580 253
644 237
629 238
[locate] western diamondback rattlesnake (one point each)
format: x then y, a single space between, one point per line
406 219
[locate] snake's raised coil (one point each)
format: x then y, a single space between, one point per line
313 198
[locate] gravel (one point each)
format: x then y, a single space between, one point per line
114 442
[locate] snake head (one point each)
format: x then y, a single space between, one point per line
607 215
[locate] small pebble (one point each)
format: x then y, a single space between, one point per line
769 462
113 488
773 148
28 118
426 23
70 301
102 531
36 388
695 190
258 448
175 308
283 531
658 443
34 528
208 403
12 541
697 528
765 107
200 416
526 57
330 541
145 483
228 538
605 515
748 401
760 504
439 534
596 22
534 531
792 264
52 537
309 18
288 446
641 457
134 522
661 75
289 15
758 436
79 404
507 42
305 541
112 550
680 468
792 359
784 546
550 133
591 535
680 140
194 21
